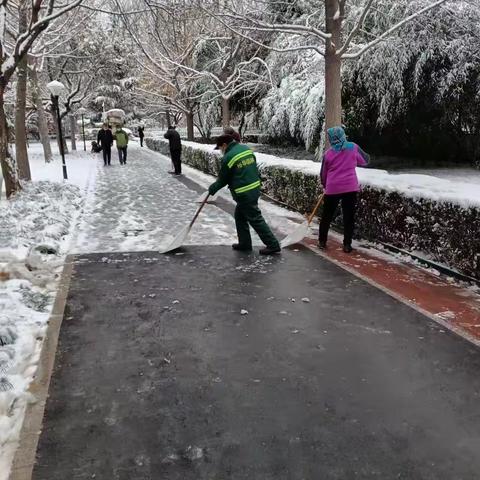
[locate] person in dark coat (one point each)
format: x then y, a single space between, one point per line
141 134
105 139
175 143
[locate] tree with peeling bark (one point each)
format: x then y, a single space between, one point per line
41 14
335 29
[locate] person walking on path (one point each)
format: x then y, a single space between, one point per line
105 139
175 143
340 183
239 171
121 136
141 134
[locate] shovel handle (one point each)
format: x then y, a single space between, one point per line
199 210
317 206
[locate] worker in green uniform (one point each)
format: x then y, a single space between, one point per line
239 171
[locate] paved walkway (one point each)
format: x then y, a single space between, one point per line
139 205
160 376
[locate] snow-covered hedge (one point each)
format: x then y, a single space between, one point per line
444 228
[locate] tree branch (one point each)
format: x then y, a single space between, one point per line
368 46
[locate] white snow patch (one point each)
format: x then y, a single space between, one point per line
447 315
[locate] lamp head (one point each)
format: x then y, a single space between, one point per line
56 88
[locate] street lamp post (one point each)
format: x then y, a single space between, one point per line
82 111
56 89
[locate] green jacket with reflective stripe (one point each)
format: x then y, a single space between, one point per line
239 171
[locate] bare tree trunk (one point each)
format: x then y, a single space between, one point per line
41 116
73 130
167 116
21 152
9 171
190 127
333 65
242 126
225 112
333 91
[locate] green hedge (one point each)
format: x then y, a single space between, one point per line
448 233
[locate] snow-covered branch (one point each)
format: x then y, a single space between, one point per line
364 48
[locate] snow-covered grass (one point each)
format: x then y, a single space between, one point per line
81 166
36 231
453 174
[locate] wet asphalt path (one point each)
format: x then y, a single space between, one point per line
159 376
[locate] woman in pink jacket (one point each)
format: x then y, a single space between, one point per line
340 183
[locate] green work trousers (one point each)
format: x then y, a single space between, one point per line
248 214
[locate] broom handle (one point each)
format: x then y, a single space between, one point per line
199 210
310 218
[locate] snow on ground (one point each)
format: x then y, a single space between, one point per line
139 206
36 232
80 166
431 186
454 174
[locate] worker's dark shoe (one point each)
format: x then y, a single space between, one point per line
242 248
270 250
322 245
347 248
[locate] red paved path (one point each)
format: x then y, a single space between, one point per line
454 306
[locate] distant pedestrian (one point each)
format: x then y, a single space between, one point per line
141 134
233 133
175 143
105 140
339 179
239 171
121 136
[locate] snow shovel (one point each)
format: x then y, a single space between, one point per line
302 231
182 235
